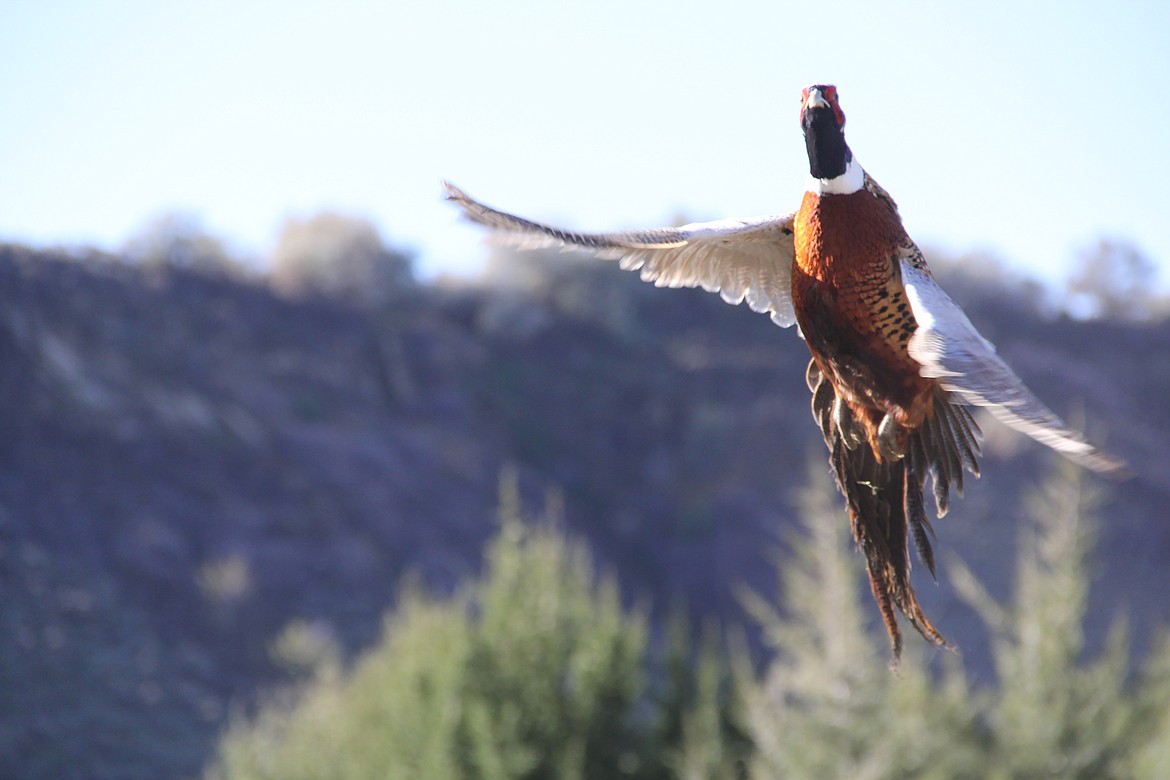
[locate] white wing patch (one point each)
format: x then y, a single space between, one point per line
741 259
950 349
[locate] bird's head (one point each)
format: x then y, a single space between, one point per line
819 103
823 123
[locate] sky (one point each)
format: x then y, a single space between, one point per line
1028 130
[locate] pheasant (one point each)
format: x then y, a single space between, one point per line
896 365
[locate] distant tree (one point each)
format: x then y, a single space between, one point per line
177 239
339 256
1113 279
571 283
981 280
1152 756
535 672
1057 713
826 706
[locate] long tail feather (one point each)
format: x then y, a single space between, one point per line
885 498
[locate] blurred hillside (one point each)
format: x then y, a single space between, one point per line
193 456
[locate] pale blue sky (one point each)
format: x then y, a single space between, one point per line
1026 128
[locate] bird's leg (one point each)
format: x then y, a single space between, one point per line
846 424
887 439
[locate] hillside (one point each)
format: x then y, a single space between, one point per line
189 462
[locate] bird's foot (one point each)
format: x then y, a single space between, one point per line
813 376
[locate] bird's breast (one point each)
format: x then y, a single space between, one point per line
849 300
844 269
845 240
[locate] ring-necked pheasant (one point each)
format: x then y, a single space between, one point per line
895 362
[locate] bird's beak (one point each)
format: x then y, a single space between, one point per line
814 99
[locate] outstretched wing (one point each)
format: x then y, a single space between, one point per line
951 350
741 259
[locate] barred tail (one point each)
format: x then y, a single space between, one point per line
885 498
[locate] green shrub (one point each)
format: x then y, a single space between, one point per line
535 671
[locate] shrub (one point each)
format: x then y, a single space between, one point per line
338 256
535 671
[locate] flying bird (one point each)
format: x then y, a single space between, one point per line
896 365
